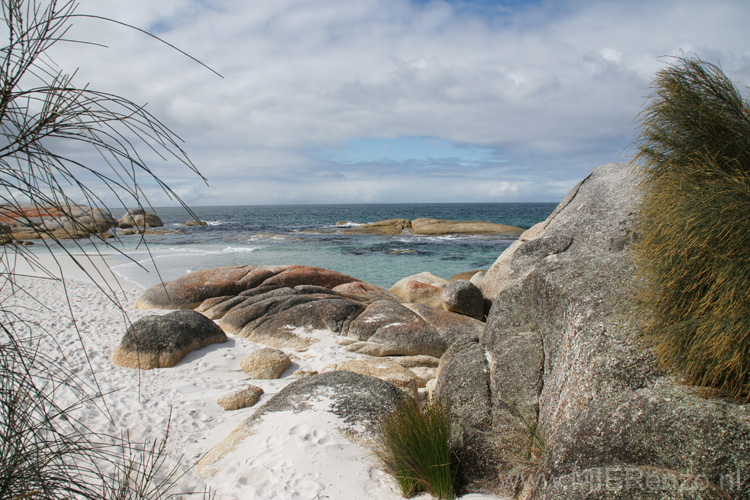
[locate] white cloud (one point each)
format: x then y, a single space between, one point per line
553 87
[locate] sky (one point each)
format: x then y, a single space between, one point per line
395 101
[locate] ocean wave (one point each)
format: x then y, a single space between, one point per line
345 224
203 251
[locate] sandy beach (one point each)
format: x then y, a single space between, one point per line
295 456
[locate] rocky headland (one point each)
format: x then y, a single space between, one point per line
554 391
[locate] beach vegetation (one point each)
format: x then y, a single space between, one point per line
64 144
525 446
413 445
693 248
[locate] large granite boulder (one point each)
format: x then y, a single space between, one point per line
139 218
596 217
288 307
464 371
162 341
191 290
423 288
398 329
567 370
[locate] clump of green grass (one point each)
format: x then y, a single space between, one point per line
693 251
413 443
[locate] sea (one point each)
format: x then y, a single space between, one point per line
312 235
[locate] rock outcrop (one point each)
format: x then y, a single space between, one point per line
27 221
140 219
428 226
434 227
569 403
282 306
162 341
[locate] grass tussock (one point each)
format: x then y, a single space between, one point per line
413 444
693 252
527 449
48 453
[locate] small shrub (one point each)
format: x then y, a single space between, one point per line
693 251
413 443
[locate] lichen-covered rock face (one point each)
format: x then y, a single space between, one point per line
162 341
477 442
565 356
665 428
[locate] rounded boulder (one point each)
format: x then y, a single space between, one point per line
463 297
266 363
162 341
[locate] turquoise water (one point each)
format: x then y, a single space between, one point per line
262 235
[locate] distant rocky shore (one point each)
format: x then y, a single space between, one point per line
27 222
427 226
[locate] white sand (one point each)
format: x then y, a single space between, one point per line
293 456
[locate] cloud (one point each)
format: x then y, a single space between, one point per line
551 88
